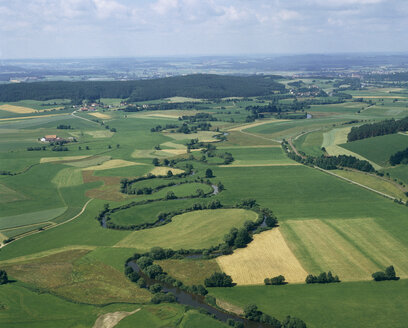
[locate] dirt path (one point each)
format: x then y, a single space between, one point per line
83 118
110 320
356 183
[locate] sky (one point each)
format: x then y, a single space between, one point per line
140 28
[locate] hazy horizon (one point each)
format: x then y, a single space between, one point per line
46 29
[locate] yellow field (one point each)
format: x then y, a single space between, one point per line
182 99
100 115
164 170
61 158
111 164
252 125
202 136
351 248
18 109
27 117
266 256
68 177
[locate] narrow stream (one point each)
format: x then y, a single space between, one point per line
196 301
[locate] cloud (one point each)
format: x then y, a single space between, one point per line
145 27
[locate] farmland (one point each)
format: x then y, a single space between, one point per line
67 259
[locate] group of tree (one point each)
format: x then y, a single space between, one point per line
218 279
329 162
377 129
199 117
36 148
388 274
399 157
278 280
251 312
207 86
323 278
64 127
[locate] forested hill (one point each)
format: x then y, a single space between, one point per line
377 129
195 86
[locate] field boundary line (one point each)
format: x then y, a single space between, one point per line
53 226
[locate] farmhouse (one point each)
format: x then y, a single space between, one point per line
50 138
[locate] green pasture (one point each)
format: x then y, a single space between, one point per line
198 229
354 305
378 149
22 307
310 143
148 213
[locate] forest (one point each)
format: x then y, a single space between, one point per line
207 86
377 129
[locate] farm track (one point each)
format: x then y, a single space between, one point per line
340 177
51 227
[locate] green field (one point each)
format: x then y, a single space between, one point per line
69 274
367 304
378 149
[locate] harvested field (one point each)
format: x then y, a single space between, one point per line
252 125
267 255
190 271
8 195
18 109
61 158
27 117
164 170
202 136
111 164
68 177
100 115
110 320
89 161
198 229
335 137
173 145
351 248
70 276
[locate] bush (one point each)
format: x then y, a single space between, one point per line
162 297
3 277
144 262
292 322
218 279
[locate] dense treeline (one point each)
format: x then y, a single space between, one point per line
195 86
322 278
399 157
251 312
388 274
329 162
378 129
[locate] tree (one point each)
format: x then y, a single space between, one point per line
243 238
209 173
251 312
155 162
169 173
171 195
293 322
153 270
218 279
87 147
3 277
